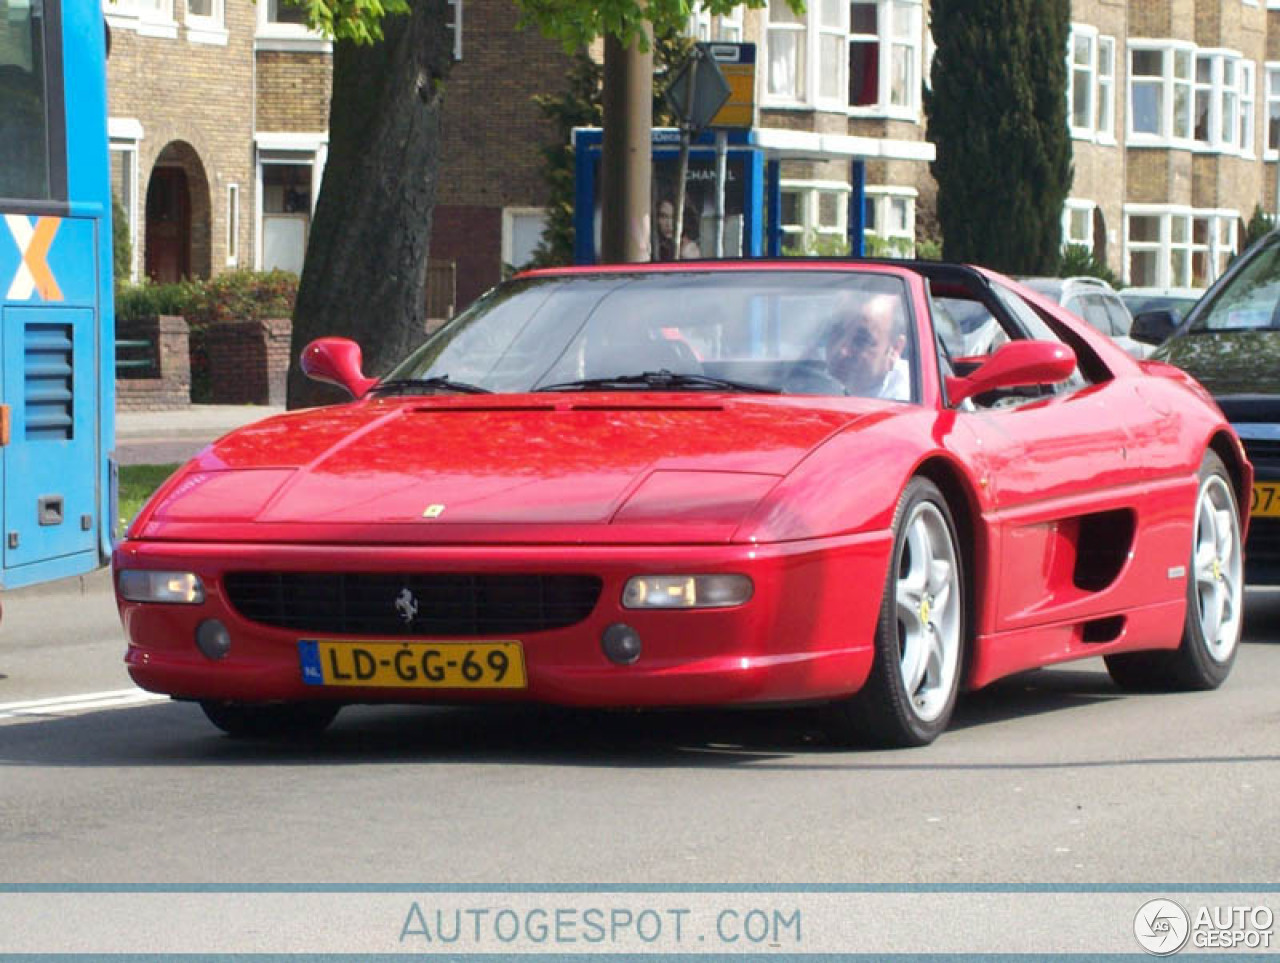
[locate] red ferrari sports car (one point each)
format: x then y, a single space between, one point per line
702 484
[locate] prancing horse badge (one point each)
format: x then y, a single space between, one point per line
433 511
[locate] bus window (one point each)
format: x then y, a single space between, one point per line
24 134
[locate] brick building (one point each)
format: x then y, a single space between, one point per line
219 110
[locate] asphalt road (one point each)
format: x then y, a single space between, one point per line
1053 776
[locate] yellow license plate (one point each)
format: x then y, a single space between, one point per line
1266 499
413 665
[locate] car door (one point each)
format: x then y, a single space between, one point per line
1068 490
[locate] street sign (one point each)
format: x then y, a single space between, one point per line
737 63
700 77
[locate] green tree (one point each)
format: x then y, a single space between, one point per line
997 115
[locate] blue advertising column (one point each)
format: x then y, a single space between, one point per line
744 190
857 208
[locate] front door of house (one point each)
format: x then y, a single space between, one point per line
168 225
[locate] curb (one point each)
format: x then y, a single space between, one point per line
77 586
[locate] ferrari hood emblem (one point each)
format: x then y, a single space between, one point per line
433 511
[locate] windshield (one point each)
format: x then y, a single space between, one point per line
751 330
1251 299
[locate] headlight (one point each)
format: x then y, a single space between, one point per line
140 585
685 591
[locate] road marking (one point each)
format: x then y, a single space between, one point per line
65 705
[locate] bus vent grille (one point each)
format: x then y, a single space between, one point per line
48 381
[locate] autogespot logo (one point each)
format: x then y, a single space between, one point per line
1162 927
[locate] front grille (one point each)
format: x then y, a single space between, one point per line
412 604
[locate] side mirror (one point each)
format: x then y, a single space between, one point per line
1017 364
336 361
1153 327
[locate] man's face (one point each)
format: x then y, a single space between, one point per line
861 352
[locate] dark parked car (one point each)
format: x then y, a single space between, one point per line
1231 343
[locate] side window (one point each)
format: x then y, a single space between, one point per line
25 168
1033 326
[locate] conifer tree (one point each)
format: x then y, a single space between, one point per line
997 113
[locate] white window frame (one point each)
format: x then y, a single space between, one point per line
1077 206
1226 89
1176 130
1271 72
455 25
1177 235
509 215
797 89
699 25
731 27
233 225
1248 105
811 30
1100 85
209 29
274 148
146 19
882 197
126 135
274 35
810 227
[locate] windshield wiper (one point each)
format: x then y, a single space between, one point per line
663 380
407 385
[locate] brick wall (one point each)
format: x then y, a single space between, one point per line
293 90
249 361
169 383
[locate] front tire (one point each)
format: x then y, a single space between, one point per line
243 720
911 692
1215 599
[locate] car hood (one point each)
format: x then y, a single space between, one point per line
1228 362
446 469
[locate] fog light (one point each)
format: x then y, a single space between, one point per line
621 643
212 639
144 585
685 591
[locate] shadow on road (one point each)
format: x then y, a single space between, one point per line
178 735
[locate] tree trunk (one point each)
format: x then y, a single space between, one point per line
365 273
626 159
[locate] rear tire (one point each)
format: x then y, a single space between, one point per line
244 720
911 692
1215 599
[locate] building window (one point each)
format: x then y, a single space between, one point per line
282 25
729 26
233 225
1223 86
205 22
150 18
890 216
1178 247
863 55
1091 92
1077 223
455 27
1160 93
787 39
522 229
815 217
125 134
1273 110
289 170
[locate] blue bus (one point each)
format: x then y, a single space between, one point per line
57 341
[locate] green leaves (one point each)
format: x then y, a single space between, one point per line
359 21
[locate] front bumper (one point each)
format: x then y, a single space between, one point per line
806 633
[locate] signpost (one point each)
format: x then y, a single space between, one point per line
715 87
